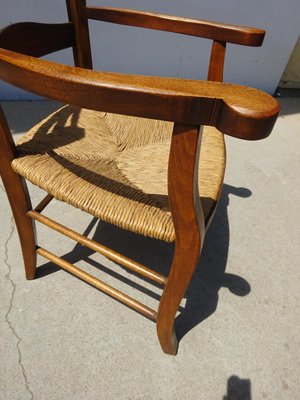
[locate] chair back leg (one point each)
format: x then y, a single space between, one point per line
18 196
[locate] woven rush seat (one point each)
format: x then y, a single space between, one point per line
115 167
142 175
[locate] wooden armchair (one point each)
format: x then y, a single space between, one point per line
126 148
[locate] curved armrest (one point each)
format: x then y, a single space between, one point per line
206 29
235 110
35 39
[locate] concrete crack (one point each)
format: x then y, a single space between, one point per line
8 277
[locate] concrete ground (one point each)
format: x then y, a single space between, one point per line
239 323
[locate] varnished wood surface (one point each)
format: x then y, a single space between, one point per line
105 288
82 47
188 26
235 110
18 197
112 255
216 63
37 39
189 227
43 203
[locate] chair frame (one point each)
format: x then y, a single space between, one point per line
237 111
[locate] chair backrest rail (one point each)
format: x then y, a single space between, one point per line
206 29
37 39
218 32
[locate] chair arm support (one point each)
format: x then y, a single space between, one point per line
35 39
206 29
235 110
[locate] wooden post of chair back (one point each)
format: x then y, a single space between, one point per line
82 49
216 63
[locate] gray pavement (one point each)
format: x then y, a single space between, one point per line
62 339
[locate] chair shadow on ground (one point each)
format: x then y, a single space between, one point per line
202 294
238 389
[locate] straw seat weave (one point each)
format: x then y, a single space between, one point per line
114 167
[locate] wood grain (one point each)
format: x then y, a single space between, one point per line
82 47
235 110
189 227
18 197
216 63
187 26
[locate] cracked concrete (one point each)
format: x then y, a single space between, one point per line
7 276
62 339
10 354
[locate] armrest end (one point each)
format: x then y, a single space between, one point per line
246 123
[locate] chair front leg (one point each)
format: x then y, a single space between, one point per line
17 193
184 263
189 228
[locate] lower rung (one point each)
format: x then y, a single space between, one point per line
116 294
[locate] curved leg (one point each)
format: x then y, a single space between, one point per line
189 228
184 264
18 197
